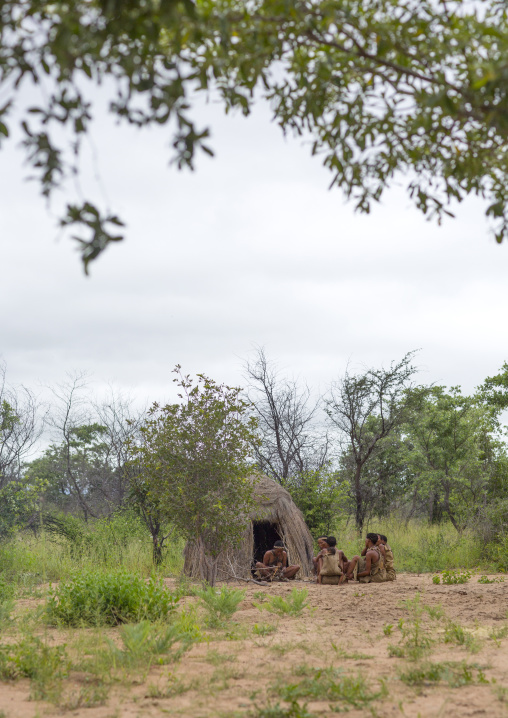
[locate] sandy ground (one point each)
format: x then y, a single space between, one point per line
342 629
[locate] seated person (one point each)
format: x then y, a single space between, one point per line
274 564
370 567
329 562
322 544
388 557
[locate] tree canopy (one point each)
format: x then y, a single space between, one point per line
382 86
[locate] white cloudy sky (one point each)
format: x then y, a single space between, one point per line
251 249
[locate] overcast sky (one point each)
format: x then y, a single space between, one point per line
251 249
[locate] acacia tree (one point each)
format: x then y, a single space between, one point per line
194 461
382 87
365 408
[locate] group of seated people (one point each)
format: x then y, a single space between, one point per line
375 563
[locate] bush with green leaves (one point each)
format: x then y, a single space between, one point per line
452 577
94 598
293 605
220 604
486 579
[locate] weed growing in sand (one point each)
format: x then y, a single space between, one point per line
501 693
220 604
221 677
452 577
341 652
173 687
44 665
263 629
146 643
217 659
388 629
454 633
260 596
486 579
295 710
497 634
90 695
332 685
415 640
293 605
454 674
93 598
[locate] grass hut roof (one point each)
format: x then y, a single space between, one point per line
275 517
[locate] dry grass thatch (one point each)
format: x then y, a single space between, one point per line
276 507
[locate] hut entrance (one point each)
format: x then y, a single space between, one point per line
265 534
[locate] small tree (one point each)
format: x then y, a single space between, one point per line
194 460
366 408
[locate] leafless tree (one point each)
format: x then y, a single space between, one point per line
121 421
89 454
288 416
21 426
366 408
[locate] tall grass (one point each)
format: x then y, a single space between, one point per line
119 542
417 546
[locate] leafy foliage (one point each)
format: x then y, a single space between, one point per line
221 603
293 605
194 457
95 598
382 88
450 578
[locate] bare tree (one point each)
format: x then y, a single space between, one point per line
366 408
292 441
121 422
21 426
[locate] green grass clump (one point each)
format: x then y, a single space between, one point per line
295 710
329 684
454 674
293 605
145 643
486 579
263 629
454 633
220 604
94 598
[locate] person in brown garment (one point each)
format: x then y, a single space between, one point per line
370 567
275 563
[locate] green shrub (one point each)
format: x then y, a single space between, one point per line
293 605
486 579
221 603
45 665
93 598
450 578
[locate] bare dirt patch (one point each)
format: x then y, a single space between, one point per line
443 654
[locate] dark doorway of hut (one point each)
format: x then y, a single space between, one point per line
265 535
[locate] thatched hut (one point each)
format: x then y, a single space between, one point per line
276 518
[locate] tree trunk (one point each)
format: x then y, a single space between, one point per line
358 499
157 550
